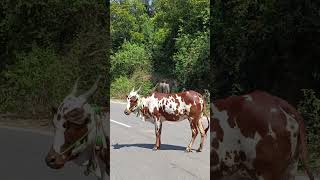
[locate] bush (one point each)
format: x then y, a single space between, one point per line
36 81
142 79
121 86
192 65
309 107
129 59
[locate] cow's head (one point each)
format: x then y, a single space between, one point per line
132 101
72 122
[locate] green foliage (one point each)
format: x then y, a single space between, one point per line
36 79
192 65
175 22
164 38
44 46
120 87
309 107
265 45
142 79
129 59
129 23
272 46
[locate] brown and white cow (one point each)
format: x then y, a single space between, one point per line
159 107
256 136
81 134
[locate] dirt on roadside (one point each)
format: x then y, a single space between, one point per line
12 120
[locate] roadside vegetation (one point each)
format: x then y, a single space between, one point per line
272 46
162 40
45 46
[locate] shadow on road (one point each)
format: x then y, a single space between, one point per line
150 146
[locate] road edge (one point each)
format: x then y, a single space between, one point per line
29 130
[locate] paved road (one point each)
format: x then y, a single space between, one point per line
22 153
22 158
132 156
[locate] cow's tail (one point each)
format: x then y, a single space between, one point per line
303 148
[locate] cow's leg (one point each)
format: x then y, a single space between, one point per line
158 128
203 135
292 170
194 131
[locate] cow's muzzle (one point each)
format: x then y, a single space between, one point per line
54 160
127 112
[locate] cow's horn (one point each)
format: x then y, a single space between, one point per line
75 87
91 91
138 89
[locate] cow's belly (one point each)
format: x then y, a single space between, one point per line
147 119
176 119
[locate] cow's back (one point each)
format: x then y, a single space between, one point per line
177 106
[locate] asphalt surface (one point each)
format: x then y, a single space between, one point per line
22 156
22 153
132 156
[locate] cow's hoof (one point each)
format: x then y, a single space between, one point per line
199 150
188 150
155 149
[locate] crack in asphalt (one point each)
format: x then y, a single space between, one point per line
185 170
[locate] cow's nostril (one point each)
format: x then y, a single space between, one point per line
52 159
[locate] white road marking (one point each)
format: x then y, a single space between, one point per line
120 123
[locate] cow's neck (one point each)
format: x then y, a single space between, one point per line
139 105
85 154
144 104
88 156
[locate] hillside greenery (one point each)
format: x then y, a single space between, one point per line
45 46
170 41
272 46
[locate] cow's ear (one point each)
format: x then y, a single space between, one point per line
54 110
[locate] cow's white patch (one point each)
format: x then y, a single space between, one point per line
131 95
171 105
152 103
202 104
231 139
58 140
292 127
157 124
271 132
248 97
